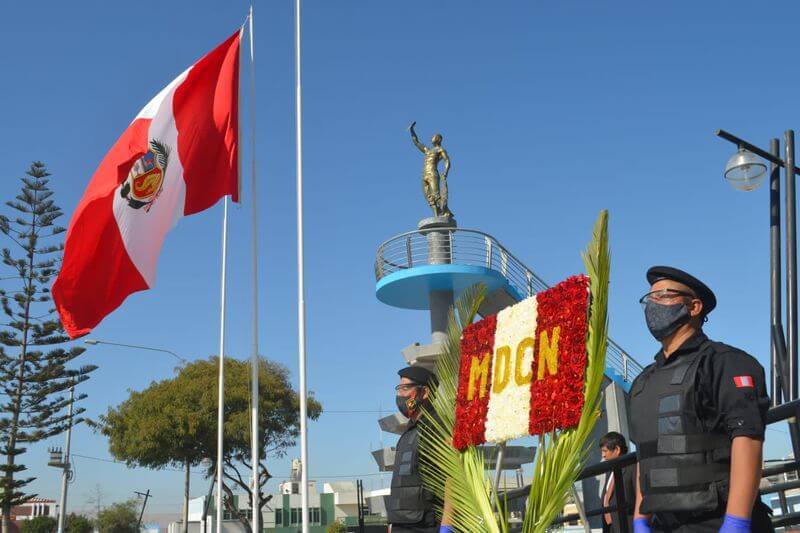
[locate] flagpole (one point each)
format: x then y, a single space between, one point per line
301 305
221 380
254 399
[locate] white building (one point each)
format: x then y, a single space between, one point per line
34 508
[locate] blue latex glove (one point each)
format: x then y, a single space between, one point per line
641 525
446 529
734 524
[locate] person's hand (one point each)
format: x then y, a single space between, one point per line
641 525
735 524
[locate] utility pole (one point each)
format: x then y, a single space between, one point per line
208 501
146 496
360 498
66 467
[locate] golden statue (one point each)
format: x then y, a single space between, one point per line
434 186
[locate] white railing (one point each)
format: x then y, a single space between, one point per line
476 248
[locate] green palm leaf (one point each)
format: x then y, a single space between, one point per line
445 470
561 456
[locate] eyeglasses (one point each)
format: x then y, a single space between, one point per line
665 296
405 387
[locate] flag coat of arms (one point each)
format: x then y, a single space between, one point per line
178 157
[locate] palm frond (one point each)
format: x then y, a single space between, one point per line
562 455
162 150
458 477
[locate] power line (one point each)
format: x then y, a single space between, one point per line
277 475
348 411
125 464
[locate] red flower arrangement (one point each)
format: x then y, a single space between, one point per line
557 400
557 371
477 340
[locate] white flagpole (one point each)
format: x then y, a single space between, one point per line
254 450
301 304
221 388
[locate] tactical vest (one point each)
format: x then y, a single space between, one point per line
683 465
409 502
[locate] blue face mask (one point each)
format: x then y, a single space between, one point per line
664 320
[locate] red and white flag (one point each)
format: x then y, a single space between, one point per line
178 157
523 370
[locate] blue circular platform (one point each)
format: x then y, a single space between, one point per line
410 288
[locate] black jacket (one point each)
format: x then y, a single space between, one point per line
410 506
629 484
684 412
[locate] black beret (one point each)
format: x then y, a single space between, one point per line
702 291
418 374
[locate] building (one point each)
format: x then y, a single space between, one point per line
784 501
336 502
34 508
328 503
202 516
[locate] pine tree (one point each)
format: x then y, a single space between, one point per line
33 383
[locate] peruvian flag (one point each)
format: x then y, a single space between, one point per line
523 370
178 157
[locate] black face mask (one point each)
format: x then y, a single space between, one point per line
664 320
406 405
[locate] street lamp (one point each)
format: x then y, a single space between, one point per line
93 342
745 170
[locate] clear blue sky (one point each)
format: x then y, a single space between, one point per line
551 111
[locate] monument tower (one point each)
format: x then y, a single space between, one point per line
427 268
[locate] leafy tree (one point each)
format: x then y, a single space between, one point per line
174 422
336 527
32 383
118 518
77 523
40 524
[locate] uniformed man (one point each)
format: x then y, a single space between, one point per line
410 506
697 418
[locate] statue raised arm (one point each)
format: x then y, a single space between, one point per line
415 139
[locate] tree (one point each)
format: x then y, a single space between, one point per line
158 428
174 422
118 518
77 523
32 383
95 497
40 524
336 527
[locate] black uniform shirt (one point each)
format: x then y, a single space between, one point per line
732 395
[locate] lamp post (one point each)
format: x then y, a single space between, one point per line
745 171
94 342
